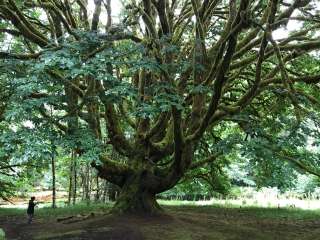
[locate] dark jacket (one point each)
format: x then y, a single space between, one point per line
31 206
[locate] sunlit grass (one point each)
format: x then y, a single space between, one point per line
255 211
47 211
173 205
176 202
285 213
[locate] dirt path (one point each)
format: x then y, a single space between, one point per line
182 223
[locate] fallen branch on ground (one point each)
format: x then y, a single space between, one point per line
74 219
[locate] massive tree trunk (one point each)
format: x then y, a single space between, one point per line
136 198
140 181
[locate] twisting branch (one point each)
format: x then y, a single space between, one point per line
221 72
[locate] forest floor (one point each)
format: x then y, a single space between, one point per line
180 222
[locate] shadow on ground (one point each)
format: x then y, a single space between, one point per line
185 223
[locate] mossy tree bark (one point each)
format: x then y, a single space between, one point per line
135 197
141 181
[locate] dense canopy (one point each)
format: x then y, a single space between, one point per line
169 85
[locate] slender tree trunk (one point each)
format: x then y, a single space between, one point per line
87 192
97 197
112 192
91 181
70 180
53 169
105 191
83 183
53 165
74 179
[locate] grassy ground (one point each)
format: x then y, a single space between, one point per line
182 221
254 211
48 212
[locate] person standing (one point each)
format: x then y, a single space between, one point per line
30 210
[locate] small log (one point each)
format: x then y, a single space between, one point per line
78 218
64 218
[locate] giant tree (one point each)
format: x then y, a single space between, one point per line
153 85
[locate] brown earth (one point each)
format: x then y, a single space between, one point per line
183 223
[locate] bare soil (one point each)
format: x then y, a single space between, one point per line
185 223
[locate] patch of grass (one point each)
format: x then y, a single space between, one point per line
271 212
176 203
254 211
48 212
285 213
80 208
11 211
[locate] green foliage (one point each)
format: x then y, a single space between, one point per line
267 144
7 186
274 148
2 234
306 184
